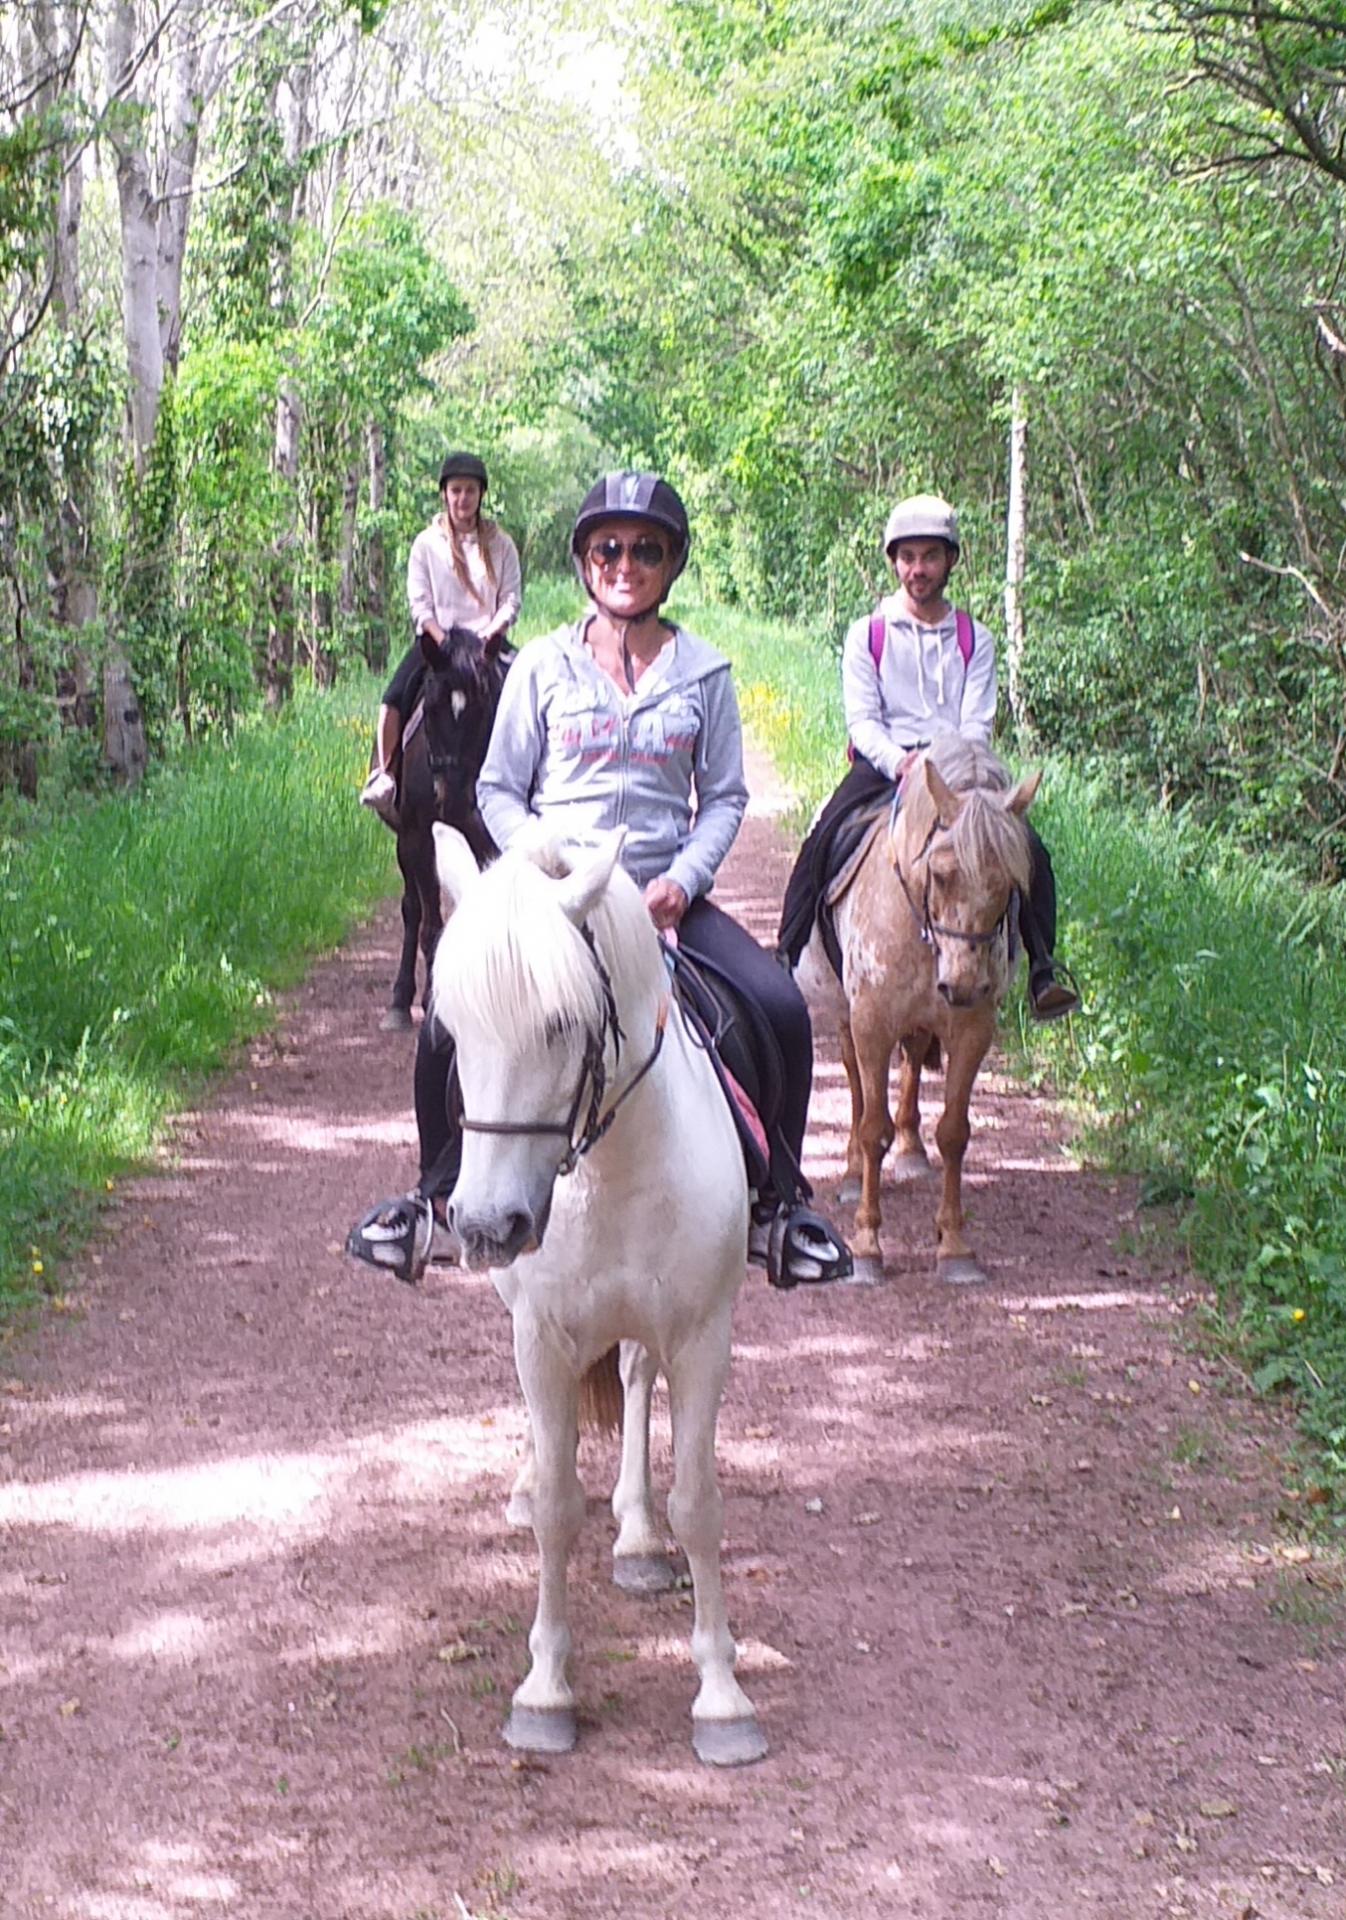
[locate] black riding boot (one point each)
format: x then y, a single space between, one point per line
1052 993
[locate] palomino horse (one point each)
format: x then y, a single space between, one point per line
926 940
440 764
572 1062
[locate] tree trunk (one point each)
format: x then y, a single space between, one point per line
123 727
320 597
154 221
1015 550
350 504
281 628
376 558
18 763
68 533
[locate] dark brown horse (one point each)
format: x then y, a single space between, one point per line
442 756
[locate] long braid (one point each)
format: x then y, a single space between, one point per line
485 528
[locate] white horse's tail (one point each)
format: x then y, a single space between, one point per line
601 1395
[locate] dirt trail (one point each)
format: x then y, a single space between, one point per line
1001 1564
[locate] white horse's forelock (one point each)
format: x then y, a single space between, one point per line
512 963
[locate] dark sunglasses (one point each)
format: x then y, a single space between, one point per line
645 553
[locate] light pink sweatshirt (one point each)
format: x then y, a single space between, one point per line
436 593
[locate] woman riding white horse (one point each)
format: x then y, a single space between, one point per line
602 1187
626 719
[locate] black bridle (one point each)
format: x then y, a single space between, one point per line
592 1076
930 928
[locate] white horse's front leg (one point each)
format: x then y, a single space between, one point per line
639 1563
725 1731
542 1717
519 1506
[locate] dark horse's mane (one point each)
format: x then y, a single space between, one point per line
442 757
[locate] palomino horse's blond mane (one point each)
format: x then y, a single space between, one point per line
984 838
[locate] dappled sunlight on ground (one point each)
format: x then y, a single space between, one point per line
1004 1595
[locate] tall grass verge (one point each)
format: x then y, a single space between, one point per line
143 937
1212 1054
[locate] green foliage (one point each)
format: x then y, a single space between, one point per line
29 166
387 306
231 507
1213 1043
140 939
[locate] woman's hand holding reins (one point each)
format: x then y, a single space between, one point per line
666 902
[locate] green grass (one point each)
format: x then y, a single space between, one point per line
1212 1056
143 937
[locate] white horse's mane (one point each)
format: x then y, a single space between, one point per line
512 962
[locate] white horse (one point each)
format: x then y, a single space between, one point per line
572 1061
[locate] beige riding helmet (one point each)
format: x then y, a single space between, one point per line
922 517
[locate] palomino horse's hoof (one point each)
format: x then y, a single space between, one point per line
728 1743
519 1512
643 1573
396 1020
961 1270
910 1166
868 1271
541 1729
851 1190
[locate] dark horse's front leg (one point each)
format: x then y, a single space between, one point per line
398 1017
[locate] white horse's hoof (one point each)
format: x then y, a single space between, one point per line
961 1271
643 1573
868 1271
396 1020
541 1729
728 1743
519 1512
851 1190
910 1166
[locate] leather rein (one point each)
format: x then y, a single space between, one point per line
593 1077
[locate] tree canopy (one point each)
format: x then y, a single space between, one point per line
261 265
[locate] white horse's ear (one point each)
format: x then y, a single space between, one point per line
1025 793
453 862
588 878
948 804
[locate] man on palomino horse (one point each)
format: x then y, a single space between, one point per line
463 571
915 666
627 719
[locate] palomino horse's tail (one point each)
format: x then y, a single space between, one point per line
601 1395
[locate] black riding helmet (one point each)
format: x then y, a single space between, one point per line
463 466
632 496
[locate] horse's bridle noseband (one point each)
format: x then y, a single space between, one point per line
593 1074
929 928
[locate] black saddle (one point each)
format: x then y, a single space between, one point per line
740 1043
846 841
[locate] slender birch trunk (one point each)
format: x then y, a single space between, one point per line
1015 551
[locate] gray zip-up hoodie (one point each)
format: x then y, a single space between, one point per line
569 748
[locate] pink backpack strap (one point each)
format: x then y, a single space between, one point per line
963 627
967 633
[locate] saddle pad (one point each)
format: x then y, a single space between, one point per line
842 877
742 1049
